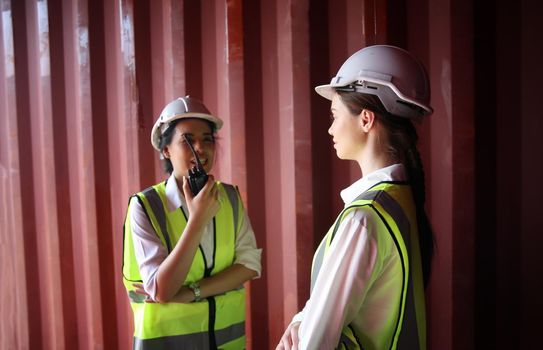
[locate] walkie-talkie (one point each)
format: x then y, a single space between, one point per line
197 175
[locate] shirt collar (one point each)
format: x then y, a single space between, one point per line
173 194
394 172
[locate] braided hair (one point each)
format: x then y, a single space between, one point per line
402 148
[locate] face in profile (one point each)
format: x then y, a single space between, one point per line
345 130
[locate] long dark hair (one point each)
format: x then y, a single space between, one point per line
402 148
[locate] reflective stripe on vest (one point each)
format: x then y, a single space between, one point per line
215 321
390 201
193 341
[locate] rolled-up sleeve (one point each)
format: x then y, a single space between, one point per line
247 253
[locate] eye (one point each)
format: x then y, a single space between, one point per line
209 139
332 117
188 137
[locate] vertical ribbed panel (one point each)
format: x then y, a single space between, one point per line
82 82
16 328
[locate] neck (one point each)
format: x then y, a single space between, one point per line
372 158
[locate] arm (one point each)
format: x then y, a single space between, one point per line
224 281
246 266
342 283
174 269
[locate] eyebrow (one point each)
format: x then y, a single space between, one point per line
191 134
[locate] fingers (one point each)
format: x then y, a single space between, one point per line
210 184
211 188
294 337
139 289
186 189
289 340
286 343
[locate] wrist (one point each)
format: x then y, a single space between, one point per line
195 288
196 223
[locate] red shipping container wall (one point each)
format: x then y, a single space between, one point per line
82 83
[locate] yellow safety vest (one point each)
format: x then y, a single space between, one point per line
393 203
214 322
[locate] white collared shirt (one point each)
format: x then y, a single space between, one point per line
150 252
357 276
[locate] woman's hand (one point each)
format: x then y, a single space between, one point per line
184 296
289 340
143 296
205 205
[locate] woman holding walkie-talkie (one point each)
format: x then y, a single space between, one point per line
369 272
188 243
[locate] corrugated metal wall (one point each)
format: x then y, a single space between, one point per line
82 82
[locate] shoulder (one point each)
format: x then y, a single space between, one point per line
361 213
366 218
158 187
362 226
232 191
135 206
135 201
227 186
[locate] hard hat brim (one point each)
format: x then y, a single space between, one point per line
326 91
389 96
157 128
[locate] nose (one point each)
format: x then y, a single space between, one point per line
197 145
330 131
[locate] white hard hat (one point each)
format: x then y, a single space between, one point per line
392 74
182 107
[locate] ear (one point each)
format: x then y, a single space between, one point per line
166 152
367 119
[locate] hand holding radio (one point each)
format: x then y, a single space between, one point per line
200 191
197 175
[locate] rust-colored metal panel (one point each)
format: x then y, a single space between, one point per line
463 174
256 175
15 328
82 174
44 175
531 75
273 262
440 172
294 141
128 160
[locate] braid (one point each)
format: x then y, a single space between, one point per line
426 238
403 141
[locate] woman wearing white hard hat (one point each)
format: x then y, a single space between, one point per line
188 243
369 272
